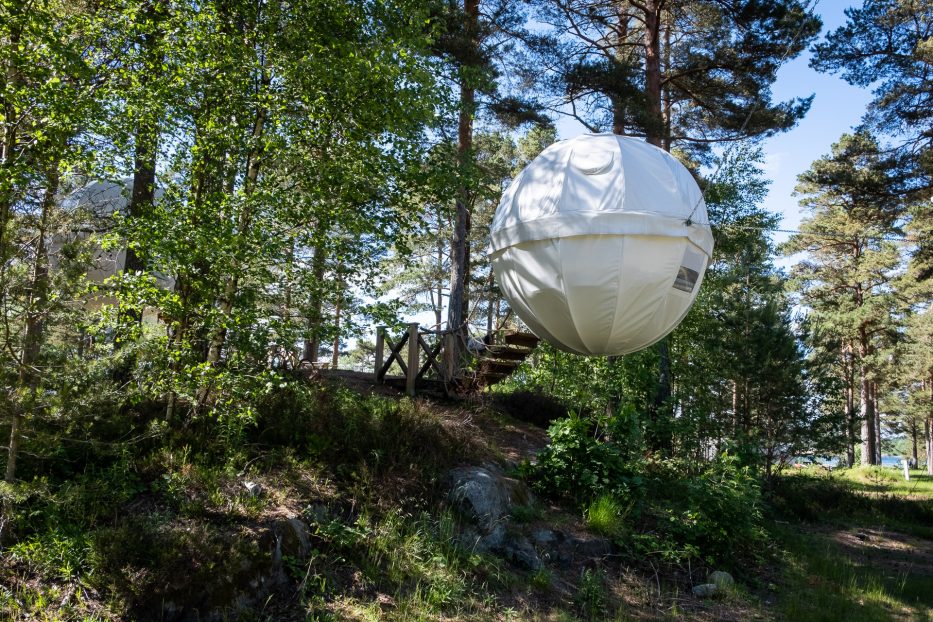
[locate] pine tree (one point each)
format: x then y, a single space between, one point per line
855 201
886 45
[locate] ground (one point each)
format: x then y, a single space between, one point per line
380 542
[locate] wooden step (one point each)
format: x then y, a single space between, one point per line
507 352
525 340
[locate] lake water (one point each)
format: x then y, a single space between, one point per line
887 461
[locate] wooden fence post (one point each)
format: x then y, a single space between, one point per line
413 365
450 365
380 350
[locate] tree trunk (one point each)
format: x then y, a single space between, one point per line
654 134
868 419
8 146
851 419
929 430
146 152
874 407
336 354
458 305
35 327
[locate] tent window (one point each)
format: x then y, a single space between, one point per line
686 279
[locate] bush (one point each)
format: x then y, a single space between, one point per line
715 514
675 511
578 466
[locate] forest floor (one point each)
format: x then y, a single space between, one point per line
171 535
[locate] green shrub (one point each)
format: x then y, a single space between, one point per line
579 466
712 514
592 596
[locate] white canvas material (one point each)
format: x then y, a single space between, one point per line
600 244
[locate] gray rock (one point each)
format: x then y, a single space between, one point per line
591 547
484 495
472 539
294 538
705 590
253 488
721 579
544 538
519 551
317 513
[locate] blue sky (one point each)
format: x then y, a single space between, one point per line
837 107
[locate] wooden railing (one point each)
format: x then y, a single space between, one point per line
420 354
427 357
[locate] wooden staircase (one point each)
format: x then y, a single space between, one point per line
499 360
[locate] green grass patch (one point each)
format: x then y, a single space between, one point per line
606 516
823 584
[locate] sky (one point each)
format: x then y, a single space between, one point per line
837 108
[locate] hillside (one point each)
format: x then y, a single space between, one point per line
368 506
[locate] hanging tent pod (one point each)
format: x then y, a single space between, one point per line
600 244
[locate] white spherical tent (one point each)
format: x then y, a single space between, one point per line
600 244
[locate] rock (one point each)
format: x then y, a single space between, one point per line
591 547
472 539
294 539
253 488
721 579
317 513
520 552
484 495
544 538
705 590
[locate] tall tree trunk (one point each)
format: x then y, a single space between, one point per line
439 307
458 304
867 415
851 419
37 309
929 431
877 411
142 198
654 129
336 353
8 146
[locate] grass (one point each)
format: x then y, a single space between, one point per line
822 583
606 516
890 481
844 558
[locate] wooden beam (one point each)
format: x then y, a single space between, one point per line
411 375
394 355
432 357
380 351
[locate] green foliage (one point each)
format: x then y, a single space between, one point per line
671 508
592 596
578 465
715 514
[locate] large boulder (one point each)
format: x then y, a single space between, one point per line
484 495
